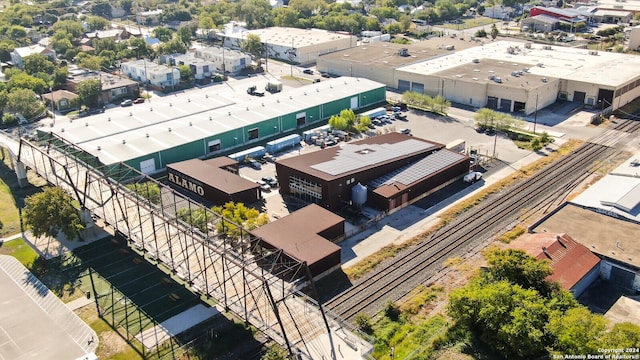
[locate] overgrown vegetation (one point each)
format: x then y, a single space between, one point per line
518 313
438 105
248 218
148 190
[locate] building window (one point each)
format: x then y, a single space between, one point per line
214 145
253 134
305 189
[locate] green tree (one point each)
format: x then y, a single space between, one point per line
198 218
148 190
239 215
21 80
102 9
253 45
518 267
494 31
186 74
89 93
26 103
184 34
172 47
623 335
163 34
578 331
60 76
96 23
505 316
51 212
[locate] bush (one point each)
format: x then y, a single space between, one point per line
9 119
392 311
363 322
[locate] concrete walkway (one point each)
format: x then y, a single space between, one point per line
412 221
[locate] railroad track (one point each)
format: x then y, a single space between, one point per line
418 264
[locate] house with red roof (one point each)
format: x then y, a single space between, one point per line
575 267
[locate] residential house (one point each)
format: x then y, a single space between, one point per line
227 60
61 100
114 87
18 54
202 69
116 34
575 267
149 17
152 74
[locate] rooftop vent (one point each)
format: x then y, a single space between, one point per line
99 148
546 47
593 52
403 52
147 134
124 141
475 61
169 129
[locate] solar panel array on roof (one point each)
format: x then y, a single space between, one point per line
420 169
352 157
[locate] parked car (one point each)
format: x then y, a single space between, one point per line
270 181
139 100
308 71
263 185
254 164
325 75
127 102
316 81
405 131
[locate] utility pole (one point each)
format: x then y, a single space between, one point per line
535 115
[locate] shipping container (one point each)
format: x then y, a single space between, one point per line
254 153
374 113
287 142
457 145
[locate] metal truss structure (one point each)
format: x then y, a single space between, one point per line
258 283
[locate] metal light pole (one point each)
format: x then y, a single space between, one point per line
53 111
535 115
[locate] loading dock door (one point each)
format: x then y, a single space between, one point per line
505 105
621 277
578 96
403 85
492 102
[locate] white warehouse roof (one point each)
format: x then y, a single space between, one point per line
293 37
126 133
599 67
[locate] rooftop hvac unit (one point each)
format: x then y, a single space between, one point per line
527 45
546 47
403 52
593 52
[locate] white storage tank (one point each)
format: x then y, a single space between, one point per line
359 195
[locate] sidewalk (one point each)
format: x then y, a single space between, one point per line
50 248
412 221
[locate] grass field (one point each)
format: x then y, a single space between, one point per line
20 250
12 196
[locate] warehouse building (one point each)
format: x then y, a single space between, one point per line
387 172
509 76
298 46
306 235
216 180
210 122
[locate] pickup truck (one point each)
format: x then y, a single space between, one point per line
472 177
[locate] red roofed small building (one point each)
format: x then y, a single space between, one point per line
575 267
306 235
